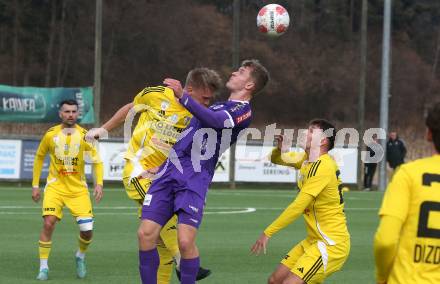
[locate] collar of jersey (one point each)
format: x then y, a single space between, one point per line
238 101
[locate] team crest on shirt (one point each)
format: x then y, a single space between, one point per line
56 139
164 105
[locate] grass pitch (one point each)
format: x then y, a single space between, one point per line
234 219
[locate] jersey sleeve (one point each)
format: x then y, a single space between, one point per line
42 150
93 157
397 196
209 118
318 177
385 246
289 159
293 211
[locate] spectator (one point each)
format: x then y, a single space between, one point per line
369 164
396 150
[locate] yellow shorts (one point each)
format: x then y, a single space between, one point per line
134 187
54 202
314 261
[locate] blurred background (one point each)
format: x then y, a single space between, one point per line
315 66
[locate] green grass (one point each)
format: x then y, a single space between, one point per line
224 239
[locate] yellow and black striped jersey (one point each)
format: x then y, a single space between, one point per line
413 196
324 216
160 124
68 152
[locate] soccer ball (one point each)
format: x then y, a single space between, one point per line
273 20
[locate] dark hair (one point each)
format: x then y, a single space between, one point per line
259 74
433 124
328 128
68 102
204 78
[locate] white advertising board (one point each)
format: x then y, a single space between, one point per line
253 164
10 157
112 155
221 173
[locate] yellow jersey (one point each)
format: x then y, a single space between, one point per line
324 216
162 120
413 196
68 152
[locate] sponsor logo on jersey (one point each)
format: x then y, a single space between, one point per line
243 117
193 208
237 107
147 199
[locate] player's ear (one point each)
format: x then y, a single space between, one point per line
429 135
324 141
189 89
249 86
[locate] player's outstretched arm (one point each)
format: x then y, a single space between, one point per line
293 211
260 245
281 156
289 215
116 120
209 118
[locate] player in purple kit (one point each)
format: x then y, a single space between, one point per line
187 173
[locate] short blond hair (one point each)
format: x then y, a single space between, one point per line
204 78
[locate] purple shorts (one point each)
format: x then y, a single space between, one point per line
167 197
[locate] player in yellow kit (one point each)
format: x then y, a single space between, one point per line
320 201
66 184
407 241
162 120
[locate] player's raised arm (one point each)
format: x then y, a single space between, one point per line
209 118
281 156
116 120
290 214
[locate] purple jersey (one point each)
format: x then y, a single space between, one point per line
210 132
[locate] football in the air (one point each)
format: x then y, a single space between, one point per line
273 20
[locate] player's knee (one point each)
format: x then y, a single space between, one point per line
48 225
145 236
186 244
85 224
86 235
